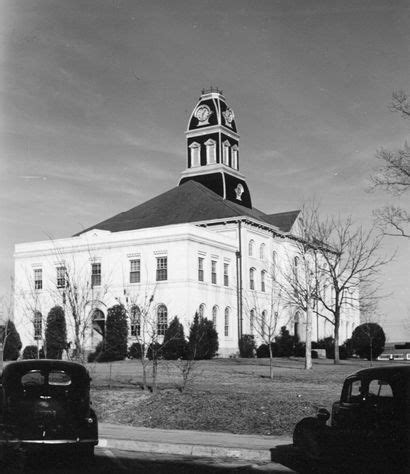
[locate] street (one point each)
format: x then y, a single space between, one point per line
113 460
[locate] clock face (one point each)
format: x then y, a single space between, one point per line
202 113
229 116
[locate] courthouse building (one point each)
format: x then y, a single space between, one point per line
199 247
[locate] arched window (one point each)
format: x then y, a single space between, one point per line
215 315
263 280
201 310
226 325
252 321
251 246
235 157
195 154
274 263
262 251
162 319
38 325
135 321
210 151
252 278
263 324
225 152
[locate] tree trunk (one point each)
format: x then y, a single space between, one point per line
308 353
270 361
154 372
337 325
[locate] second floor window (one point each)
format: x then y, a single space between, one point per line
252 278
226 274
96 274
200 269
213 272
38 279
162 268
263 285
135 271
61 274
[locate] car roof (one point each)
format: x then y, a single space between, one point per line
386 371
74 368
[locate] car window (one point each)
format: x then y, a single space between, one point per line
380 388
59 378
32 378
354 391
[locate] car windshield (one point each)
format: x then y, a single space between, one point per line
32 378
59 378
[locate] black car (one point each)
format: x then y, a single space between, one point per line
370 424
47 402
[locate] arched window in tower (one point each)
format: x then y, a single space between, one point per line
210 151
235 157
250 247
226 325
252 278
225 152
195 154
162 319
214 315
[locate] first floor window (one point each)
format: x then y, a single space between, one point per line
252 321
226 328
162 268
214 315
61 273
226 274
38 325
201 310
135 271
213 272
96 274
200 269
162 319
263 324
38 279
135 321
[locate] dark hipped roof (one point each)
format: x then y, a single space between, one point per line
189 202
283 220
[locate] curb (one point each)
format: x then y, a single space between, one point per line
261 455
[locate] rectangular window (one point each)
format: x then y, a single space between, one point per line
162 268
135 271
38 279
61 273
226 274
200 269
213 271
96 274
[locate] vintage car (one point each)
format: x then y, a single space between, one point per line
47 402
370 423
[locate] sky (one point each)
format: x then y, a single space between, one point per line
95 97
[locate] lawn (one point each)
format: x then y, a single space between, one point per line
234 395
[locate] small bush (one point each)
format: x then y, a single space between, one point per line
247 346
203 339
262 351
174 346
96 355
56 333
154 349
285 343
30 352
12 342
135 351
300 349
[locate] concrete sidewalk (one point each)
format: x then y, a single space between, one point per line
190 443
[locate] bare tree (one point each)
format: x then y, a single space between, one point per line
348 260
264 321
394 177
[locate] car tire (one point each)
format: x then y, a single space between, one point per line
307 438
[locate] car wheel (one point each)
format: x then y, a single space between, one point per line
306 437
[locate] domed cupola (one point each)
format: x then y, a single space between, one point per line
213 149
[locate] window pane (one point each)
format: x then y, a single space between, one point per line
162 320
61 273
226 274
226 328
96 274
32 378
200 269
213 272
38 279
135 271
162 268
59 378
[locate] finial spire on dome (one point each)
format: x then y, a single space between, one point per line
212 89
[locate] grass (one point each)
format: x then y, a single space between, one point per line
234 395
